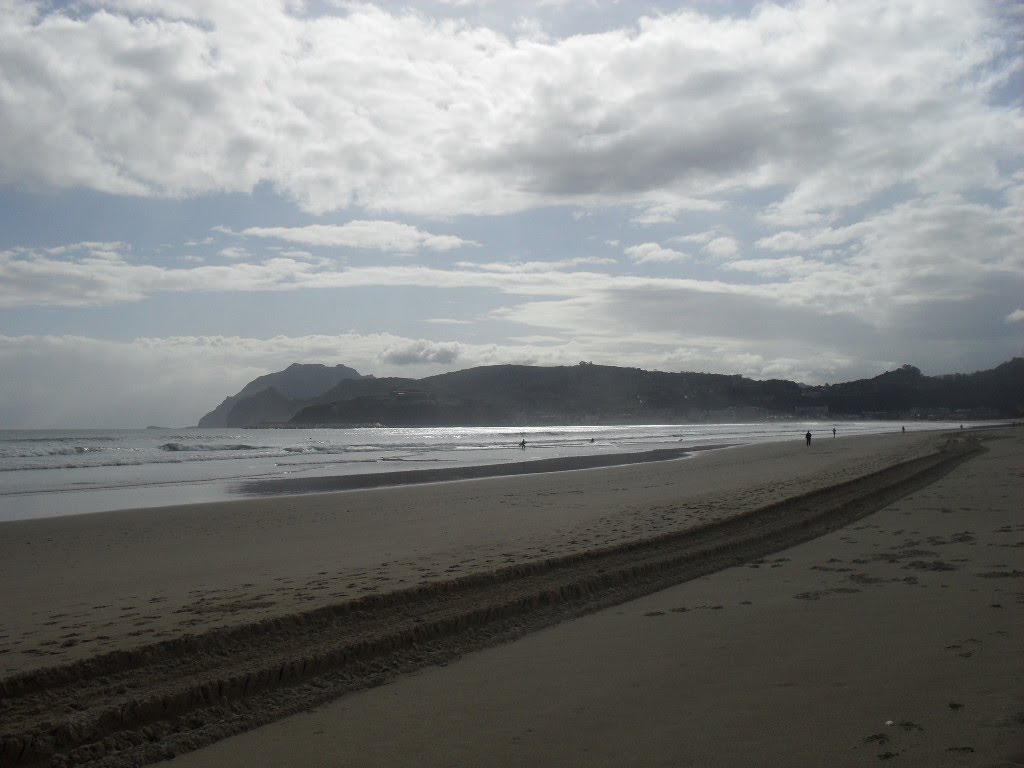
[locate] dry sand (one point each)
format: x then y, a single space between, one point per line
811 652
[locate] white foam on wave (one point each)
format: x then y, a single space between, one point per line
210 447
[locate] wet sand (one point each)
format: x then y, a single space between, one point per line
97 584
81 585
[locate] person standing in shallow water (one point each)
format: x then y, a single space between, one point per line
807 437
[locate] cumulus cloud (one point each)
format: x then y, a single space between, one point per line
1017 316
722 247
381 110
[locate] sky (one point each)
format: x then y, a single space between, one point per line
197 192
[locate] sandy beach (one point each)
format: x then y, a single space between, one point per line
902 604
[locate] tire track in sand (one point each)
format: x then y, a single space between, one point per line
134 707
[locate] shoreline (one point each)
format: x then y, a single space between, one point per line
240 489
53 491
190 576
335 483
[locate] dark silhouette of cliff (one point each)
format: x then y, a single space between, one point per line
276 397
518 394
995 393
600 394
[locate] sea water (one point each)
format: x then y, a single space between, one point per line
48 473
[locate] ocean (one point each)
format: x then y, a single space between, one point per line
48 473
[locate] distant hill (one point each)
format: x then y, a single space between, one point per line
599 394
275 397
595 394
998 392
516 394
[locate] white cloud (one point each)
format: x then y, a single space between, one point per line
31 278
393 111
99 249
652 252
377 235
812 239
666 211
696 237
722 247
290 253
1017 316
916 254
527 267
234 252
937 248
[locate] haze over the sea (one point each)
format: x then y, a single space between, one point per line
193 194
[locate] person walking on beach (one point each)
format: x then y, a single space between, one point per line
807 437
833 431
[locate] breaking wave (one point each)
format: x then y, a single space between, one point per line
210 447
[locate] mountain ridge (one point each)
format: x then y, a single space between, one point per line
600 394
297 382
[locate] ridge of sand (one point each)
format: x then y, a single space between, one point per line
139 705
